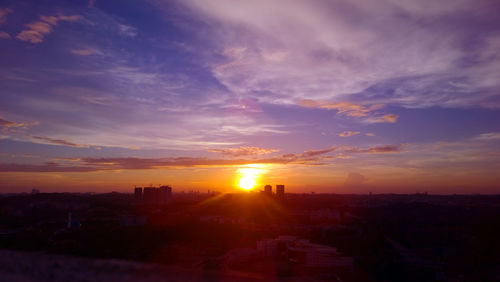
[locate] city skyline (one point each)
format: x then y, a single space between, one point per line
327 97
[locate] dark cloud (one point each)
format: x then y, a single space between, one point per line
376 150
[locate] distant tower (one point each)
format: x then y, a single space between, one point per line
165 194
268 190
138 194
280 192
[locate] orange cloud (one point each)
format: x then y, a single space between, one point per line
392 118
7 125
84 52
349 133
37 31
310 157
347 108
243 151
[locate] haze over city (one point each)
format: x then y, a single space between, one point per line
323 96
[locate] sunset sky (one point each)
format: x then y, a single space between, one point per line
350 96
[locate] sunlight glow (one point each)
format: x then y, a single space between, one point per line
249 176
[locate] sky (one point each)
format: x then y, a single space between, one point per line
347 96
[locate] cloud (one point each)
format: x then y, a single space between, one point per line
86 164
3 18
370 134
349 133
37 31
85 52
46 167
127 30
243 151
376 150
417 57
488 136
367 113
3 14
7 125
61 142
343 108
390 118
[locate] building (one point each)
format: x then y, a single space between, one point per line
165 194
280 192
268 190
35 191
138 194
150 195
154 196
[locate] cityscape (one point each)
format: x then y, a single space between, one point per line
157 233
250 140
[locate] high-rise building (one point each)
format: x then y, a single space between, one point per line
268 190
150 195
280 192
165 194
138 194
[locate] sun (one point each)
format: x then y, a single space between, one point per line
247 182
249 175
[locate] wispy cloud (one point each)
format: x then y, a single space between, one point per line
390 118
3 14
3 18
367 114
61 142
85 52
127 30
85 164
419 59
488 136
4 35
243 151
349 133
7 125
37 31
343 108
377 149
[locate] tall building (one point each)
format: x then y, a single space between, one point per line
268 190
165 194
150 195
280 192
138 194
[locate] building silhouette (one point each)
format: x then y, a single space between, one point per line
138 194
165 194
154 195
268 190
150 195
280 192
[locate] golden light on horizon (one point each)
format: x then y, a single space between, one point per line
249 176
